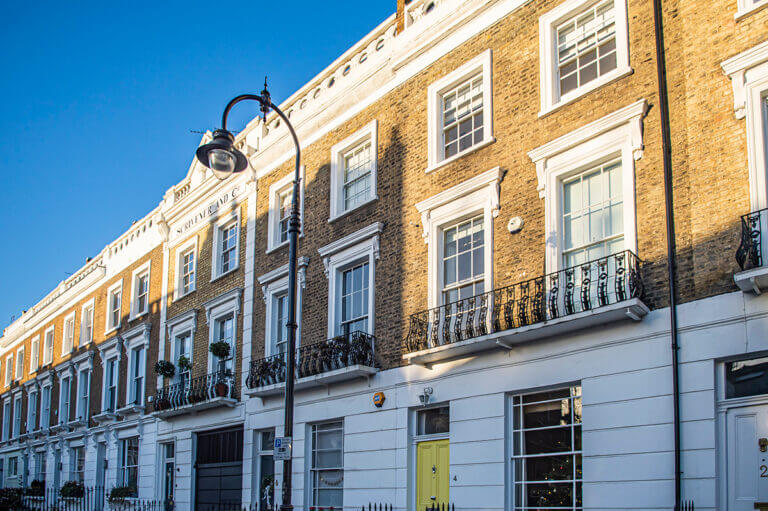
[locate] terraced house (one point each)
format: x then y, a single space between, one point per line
484 295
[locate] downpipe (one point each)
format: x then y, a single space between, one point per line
661 71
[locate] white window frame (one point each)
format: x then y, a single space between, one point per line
68 334
108 326
747 7
82 414
748 72
476 196
141 271
9 368
77 473
46 387
617 135
88 310
48 353
34 355
189 246
435 150
20 363
7 419
310 469
65 410
137 338
367 135
548 72
109 350
178 326
17 418
225 221
360 246
275 190
32 413
221 306
122 467
273 284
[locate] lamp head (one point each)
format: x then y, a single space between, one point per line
220 155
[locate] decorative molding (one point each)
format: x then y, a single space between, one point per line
180 320
114 344
737 67
231 295
137 336
489 179
631 115
282 272
371 231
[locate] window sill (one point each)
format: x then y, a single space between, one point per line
741 14
177 297
465 152
616 74
222 275
275 248
110 330
132 317
350 211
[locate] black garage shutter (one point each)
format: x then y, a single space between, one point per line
219 469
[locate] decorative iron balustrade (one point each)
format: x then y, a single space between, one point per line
750 252
580 288
196 390
357 348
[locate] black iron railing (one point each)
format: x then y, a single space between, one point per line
580 288
79 498
337 353
750 252
196 390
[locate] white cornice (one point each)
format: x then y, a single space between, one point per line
632 115
488 178
736 69
351 239
282 272
231 295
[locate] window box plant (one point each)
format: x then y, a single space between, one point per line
119 496
185 365
72 489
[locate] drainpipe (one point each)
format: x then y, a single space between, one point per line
661 71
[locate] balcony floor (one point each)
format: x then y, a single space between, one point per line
319 380
633 309
752 281
196 407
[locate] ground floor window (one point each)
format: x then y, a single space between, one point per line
77 458
13 466
129 463
40 466
745 378
266 470
546 449
327 469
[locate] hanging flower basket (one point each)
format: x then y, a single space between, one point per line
220 349
165 368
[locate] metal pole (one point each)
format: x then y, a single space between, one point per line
294 226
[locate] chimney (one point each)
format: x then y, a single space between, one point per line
401 15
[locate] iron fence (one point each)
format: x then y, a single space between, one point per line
81 499
750 252
195 390
317 358
572 290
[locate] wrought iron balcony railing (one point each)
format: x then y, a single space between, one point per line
604 281
196 390
358 348
750 252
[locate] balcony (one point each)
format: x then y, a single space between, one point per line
320 364
750 255
597 292
196 394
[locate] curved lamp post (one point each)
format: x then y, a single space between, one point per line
224 160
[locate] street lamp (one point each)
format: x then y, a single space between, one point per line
221 156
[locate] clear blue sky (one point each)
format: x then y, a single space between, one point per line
97 101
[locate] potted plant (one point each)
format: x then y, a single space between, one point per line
119 495
165 368
72 489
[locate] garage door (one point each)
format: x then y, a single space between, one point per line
219 470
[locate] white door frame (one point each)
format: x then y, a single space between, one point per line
721 442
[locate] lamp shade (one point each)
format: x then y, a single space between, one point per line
220 155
